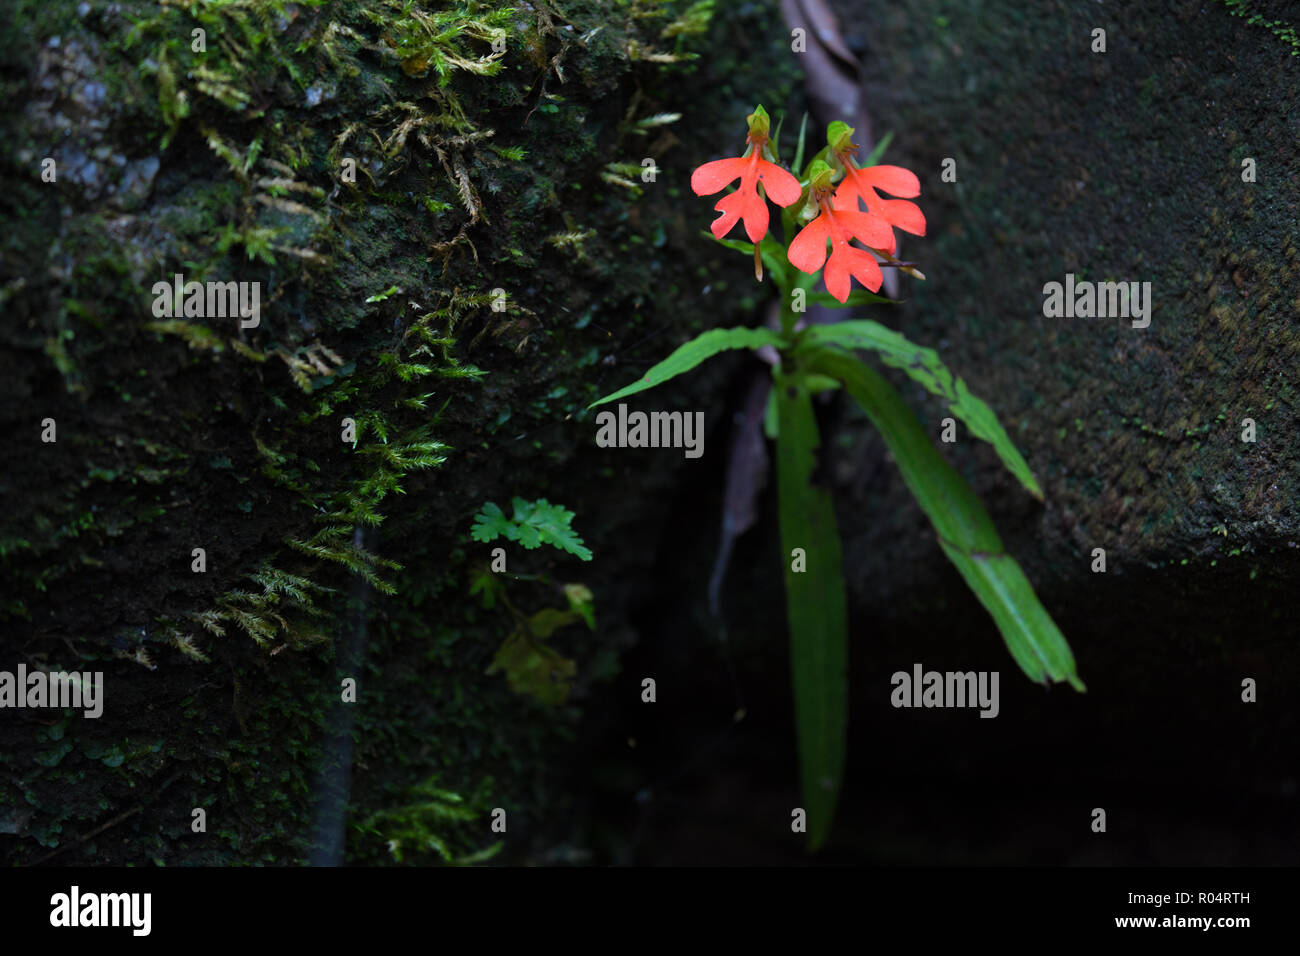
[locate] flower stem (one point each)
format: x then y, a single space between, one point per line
788 316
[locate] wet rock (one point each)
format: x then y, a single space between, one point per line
137 182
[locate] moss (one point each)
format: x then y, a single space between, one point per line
230 168
1248 11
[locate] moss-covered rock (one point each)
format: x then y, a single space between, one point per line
1125 165
455 252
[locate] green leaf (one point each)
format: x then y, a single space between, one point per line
381 296
965 530
533 668
1031 635
815 606
879 151
856 297
925 366
548 524
484 582
549 620
51 757
490 523
693 353
798 152
821 383
534 523
524 533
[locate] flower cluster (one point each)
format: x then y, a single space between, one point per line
837 214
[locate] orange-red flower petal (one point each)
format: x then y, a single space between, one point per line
745 203
781 187
807 252
846 261
714 176
872 231
863 183
903 214
894 180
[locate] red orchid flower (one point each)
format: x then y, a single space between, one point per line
746 202
862 183
807 252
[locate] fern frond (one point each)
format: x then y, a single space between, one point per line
210 621
197 337
185 644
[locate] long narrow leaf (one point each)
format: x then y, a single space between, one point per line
1031 635
816 608
965 530
798 152
874 157
925 366
687 356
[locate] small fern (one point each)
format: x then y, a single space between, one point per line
534 523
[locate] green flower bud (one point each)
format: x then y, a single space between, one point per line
839 137
819 176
